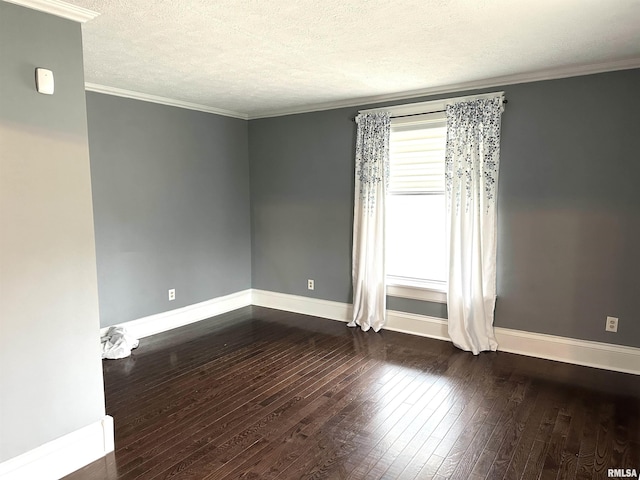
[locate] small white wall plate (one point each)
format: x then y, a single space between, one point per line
44 81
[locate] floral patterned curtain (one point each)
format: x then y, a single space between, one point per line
372 176
471 178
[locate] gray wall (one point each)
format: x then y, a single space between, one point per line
302 181
50 370
569 207
171 205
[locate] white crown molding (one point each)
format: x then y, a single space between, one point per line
121 92
59 9
551 74
63 455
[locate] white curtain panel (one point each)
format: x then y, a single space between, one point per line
372 176
471 178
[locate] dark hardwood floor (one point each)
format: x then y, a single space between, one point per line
265 394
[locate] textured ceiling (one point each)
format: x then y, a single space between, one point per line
263 57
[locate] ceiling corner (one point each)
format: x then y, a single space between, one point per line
59 9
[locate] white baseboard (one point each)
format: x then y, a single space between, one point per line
62 456
580 352
304 305
161 322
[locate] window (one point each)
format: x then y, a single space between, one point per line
415 250
415 217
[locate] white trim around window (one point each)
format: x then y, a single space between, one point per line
427 291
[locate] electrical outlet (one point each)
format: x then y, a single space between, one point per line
612 324
310 284
172 294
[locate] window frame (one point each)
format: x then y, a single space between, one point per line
414 288
418 288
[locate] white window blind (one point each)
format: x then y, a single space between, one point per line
415 229
416 154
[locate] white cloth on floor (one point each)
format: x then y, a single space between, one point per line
117 343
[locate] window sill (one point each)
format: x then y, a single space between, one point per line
417 290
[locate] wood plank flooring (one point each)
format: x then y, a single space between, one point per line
265 394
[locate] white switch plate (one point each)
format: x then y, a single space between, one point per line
612 324
44 81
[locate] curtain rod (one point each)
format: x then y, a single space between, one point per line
504 102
